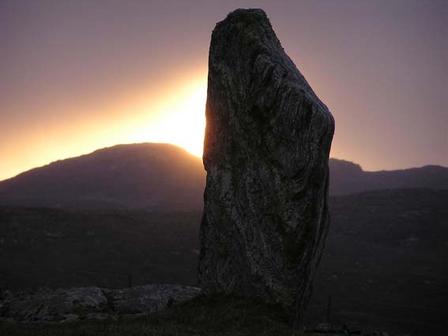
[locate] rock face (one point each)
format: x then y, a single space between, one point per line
267 143
149 298
60 305
46 305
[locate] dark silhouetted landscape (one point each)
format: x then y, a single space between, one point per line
383 266
162 177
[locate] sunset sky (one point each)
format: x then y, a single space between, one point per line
76 76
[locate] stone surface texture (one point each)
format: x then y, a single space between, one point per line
62 305
149 298
267 143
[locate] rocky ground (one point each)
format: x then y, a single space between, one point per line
84 303
154 310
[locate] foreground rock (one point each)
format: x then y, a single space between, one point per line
149 298
267 143
61 305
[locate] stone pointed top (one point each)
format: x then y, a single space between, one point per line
247 15
255 36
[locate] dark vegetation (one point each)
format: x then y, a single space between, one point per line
217 315
384 264
106 248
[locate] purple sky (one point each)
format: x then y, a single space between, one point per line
70 72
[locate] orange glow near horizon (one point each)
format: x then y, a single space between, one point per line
78 76
168 111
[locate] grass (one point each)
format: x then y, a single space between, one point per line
213 315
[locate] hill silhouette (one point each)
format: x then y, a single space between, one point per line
349 178
163 177
145 176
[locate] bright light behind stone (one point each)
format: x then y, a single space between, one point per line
180 120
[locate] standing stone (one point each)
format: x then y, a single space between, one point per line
266 151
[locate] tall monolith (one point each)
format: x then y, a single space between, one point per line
267 143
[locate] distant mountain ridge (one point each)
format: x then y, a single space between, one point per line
149 176
347 178
165 177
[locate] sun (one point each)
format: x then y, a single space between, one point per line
178 119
